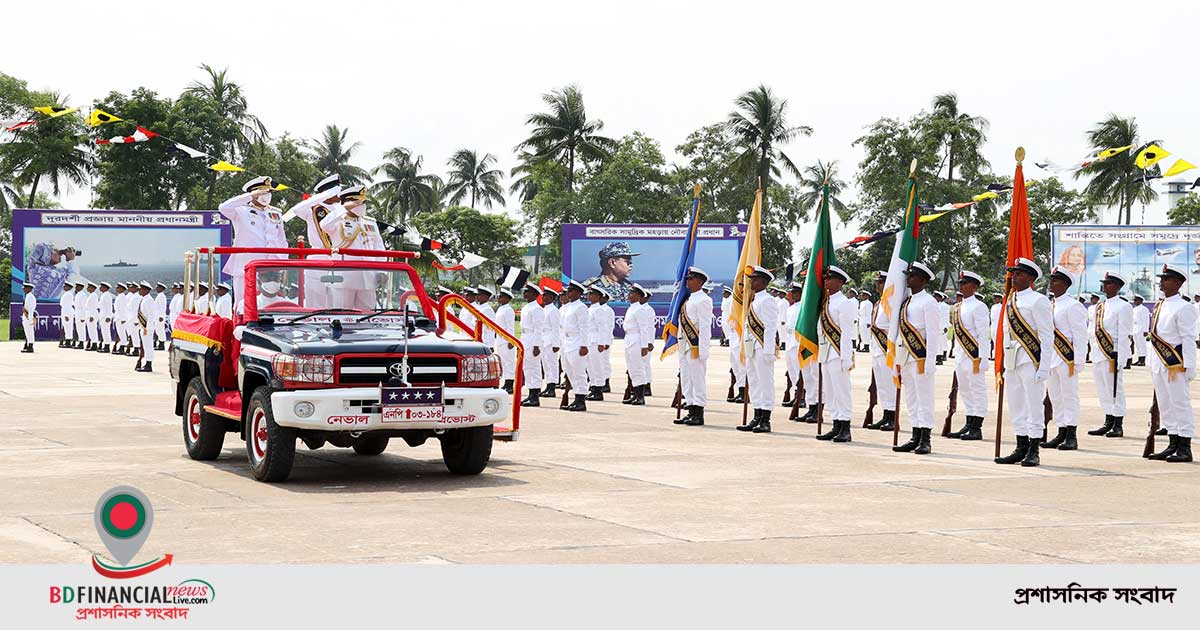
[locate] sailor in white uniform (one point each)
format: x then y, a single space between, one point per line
885 391
533 325
104 316
1173 364
601 320
969 321
1111 329
695 340
835 353
993 321
465 315
735 349
224 306
314 210
1066 361
81 316
160 322
761 348
256 223
944 311
791 344
864 320
506 318
350 228
639 335
483 297
574 326
1141 329
649 333
29 316
145 326
66 309
1027 346
91 309
551 338
919 342
176 305
132 299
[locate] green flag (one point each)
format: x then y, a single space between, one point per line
813 298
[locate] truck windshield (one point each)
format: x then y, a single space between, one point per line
348 290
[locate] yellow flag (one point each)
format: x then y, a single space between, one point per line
55 111
751 257
226 167
1150 156
99 117
1178 167
1107 153
279 186
984 196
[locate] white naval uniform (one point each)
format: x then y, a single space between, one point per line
1070 319
1023 375
1174 322
574 328
551 338
145 313
836 360
489 335
791 345
693 360
506 318
760 356
994 316
316 294
347 230
923 313
252 227
533 322
782 330
176 307
225 306
885 390
1141 326
735 350
120 317
973 315
160 322
639 318
80 313
944 310
132 330
29 317
602 319
1091 327
91 306
104 316
1114 316
864 322
66 314
649 334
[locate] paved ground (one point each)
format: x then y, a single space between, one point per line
618 484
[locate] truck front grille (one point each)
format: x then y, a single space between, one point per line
422 370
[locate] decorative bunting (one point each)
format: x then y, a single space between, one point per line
141 135
985 196
226 167
512 277
54 111
1107 153
1181 165
1150 156
100 117
469 261
20 125
179 147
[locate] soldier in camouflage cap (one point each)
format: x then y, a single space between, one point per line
616 264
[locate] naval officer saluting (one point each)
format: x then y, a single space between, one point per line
256 223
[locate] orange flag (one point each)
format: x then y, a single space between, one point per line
1020 245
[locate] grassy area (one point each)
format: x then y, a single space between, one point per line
3 330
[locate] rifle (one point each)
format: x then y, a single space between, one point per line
566 388
678 402
797 398
732 381
952 406
1154 420
1047 414
873 390
787 389
628 385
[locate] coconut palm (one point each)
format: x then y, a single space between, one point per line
523 185
1114 181
962 135
54 151
759 126
472 175
812 181
231 104
565 134
404 191
332 153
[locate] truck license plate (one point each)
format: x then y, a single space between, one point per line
411 404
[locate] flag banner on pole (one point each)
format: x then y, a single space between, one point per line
429 244
687 258
141 135
98 117
1020 245
226 167
789 272
13 126
1181 165
1107 153
549 283
1150 156
750 257
813 296
904 253
54 111
469 261
178 147
512 277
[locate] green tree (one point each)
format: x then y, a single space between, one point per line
632 186
1186 211
725 196
332 153
760 127
812 181
55 151
463 229
961 135
565 134
239 129
1114 181
404 190
135 176
473 175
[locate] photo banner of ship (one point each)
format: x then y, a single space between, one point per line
52 246
1135 252
618 255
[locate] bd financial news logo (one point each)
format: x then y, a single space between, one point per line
123 518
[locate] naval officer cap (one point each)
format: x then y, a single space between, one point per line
880 275
637 287
616 249
1062 274
468 290
1138 298
864 292
160 284
761 272
529 286
443 289
577 285
697 272
835 270
707 288
27 285
939 294
353 193
92 284
331 185
921 268
484 289
506 291
1113 277
1027 266
225 285
258 184
970 276
597 289
145 285
1172 271
795 286
726 289
551 291
105 285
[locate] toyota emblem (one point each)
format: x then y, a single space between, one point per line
396 369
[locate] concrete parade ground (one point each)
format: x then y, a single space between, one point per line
618 484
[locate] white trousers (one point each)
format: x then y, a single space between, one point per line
836 386
532 369
1139 345
550 371
122 332
811 376
160 330
1174 403
576 369
1025 394
735 353
972 385
92 332
761 377
791 362
693 377
1064 396
81 329
147 336
135 333
68 327
1112 406
106 331
885 388
508 360
238 281
636 364
29 327
597 366
918 393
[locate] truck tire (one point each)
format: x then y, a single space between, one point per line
270 447
466 451
203 434
370 444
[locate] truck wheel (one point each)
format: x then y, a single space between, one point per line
466 451
370 444
203 434
270 447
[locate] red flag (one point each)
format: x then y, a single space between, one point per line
549 283
20 125
1020 245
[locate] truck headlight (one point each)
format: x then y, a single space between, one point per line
491 406
302 368
479 368
304 409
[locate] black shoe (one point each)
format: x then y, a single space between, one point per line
1116 431
1108 425
810 417
1183 451
924 448
957 435
1166 452
1069 444
548 392
161 346
911 444
647 392
27 349
697 419
888 423
741 396
764 426
974 430
1017 455
1058 439
633 394
641 396
578 405
1161 432
534 399
1141 362
787 399
607 386
508 386
594 394
749 426
685 417
146 367
832 433
1031 456
844 435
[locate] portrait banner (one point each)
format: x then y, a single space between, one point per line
1134 252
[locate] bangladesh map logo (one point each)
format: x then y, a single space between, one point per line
123 519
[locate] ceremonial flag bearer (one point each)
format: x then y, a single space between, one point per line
695 338
1070 339
922 339
1173 364
1028 342
760 350
835 352
1112 327
969 319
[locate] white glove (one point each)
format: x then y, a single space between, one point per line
847 364
1042 374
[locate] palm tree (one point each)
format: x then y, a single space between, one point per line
472 175
760 127
404 190
523 185
332 152
961 134
231 105
54 150
565 134
1114 180
813 181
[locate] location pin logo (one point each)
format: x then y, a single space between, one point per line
123 520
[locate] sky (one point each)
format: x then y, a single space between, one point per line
439 76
